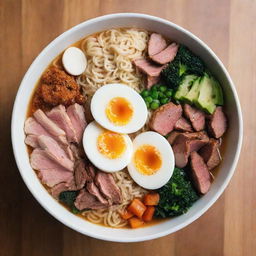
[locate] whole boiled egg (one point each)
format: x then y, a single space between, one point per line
109 151
152 162
119 108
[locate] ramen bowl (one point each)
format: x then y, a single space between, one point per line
233 137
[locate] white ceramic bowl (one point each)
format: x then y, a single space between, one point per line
168 29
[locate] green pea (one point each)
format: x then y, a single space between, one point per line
154 105
168 93
144 93
161 95
154 94
163 88
164 101
148 99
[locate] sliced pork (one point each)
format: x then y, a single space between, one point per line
217 123
91 172
108 187
50 126
148 67
200 173
57 189
196 117
77 117
183 125
80 174
85 200
156 44
60 117
151 80
166 55
173 136
32 141
165 117
184 144
211 154
55 152
32 127
92 189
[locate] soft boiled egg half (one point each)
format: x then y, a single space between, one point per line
119 108
152 162
107 150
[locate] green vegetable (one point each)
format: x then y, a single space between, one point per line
193 93
68 198
148 99
155 87
169 93
177 196
154 105
154 94
184 63
162 88
184 87
164 101
144 93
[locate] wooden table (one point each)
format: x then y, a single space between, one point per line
229 28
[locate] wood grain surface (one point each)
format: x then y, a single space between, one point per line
228 27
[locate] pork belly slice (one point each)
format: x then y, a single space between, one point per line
85 200
156 44
108 187
217 123
165 117
200 173
57 189
55 152
77 117
183 125
167 55
211 154
196 117
60 117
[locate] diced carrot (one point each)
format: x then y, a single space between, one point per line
137 207
151 199
148 214
126 215
135 222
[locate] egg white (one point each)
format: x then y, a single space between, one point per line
161 177
91 134
103 96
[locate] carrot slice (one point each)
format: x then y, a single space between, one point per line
151 199
135 222
126 215
137 207
149 213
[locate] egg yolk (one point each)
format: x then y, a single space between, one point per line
110 144
119 111
147 159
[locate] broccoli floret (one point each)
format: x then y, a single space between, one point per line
184 63
193 64
68 198
177 196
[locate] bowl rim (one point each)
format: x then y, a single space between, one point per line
211 200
